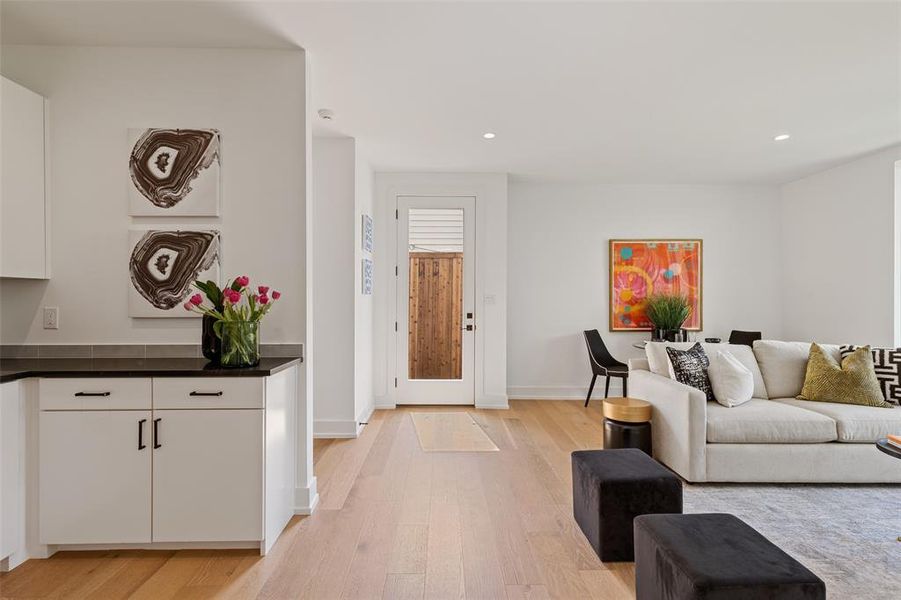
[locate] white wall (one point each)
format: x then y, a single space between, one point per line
490 192
333 285
559 281
840 254
364 399
255 97
342 315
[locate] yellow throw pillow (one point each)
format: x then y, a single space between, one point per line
852 382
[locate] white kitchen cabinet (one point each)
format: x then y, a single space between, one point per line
24 198
95 476
11 475
208 475
215 466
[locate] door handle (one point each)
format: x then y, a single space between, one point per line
156 434
196 393
80 394
141 444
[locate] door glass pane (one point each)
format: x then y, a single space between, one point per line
436 293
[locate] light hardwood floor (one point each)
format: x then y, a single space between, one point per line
393 522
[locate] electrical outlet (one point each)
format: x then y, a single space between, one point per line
51 317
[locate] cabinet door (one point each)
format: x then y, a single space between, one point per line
94 478
208 475
11 479
23 240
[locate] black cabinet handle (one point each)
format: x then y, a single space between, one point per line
78 394
141 444
156 434
196 393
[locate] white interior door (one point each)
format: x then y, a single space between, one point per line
435 300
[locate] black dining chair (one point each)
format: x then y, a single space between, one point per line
603 364
745 338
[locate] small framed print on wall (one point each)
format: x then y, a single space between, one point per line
639 268
366 274
367 233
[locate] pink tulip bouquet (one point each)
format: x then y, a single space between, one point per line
235 312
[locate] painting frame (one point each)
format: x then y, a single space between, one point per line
695 245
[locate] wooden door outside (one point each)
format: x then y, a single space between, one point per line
436 315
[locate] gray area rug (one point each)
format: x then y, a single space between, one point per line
846 534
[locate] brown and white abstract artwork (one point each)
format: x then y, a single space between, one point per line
163 265
173 172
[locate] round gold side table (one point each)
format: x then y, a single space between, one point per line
627 424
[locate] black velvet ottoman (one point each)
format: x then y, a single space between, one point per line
713 557
611 488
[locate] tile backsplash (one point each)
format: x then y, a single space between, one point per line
129 350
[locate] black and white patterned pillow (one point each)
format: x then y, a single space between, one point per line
887 362
690 368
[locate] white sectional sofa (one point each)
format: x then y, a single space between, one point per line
772 438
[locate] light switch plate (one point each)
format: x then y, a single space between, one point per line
51 317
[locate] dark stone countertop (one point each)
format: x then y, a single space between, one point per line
21 368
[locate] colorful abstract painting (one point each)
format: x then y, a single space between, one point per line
639 268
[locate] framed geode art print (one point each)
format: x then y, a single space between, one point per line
173 172
162 266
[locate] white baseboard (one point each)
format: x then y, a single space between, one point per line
306 498
364 417
384 402
562 392
334 429
498 401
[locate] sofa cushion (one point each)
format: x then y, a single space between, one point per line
731 381
854 423
784 365
658 361
851 382
690 367
764 422
887 364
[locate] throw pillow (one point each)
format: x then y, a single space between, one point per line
887 364
852 382
731 381
658 361
690 367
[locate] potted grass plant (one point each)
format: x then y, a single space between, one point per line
668 312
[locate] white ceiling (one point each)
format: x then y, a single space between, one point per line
593 92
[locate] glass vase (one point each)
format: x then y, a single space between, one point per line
240 343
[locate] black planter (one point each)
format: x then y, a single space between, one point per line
669 335
210 344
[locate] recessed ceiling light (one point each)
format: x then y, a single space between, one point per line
488 135
781 137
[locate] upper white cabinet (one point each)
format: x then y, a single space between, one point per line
24 208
